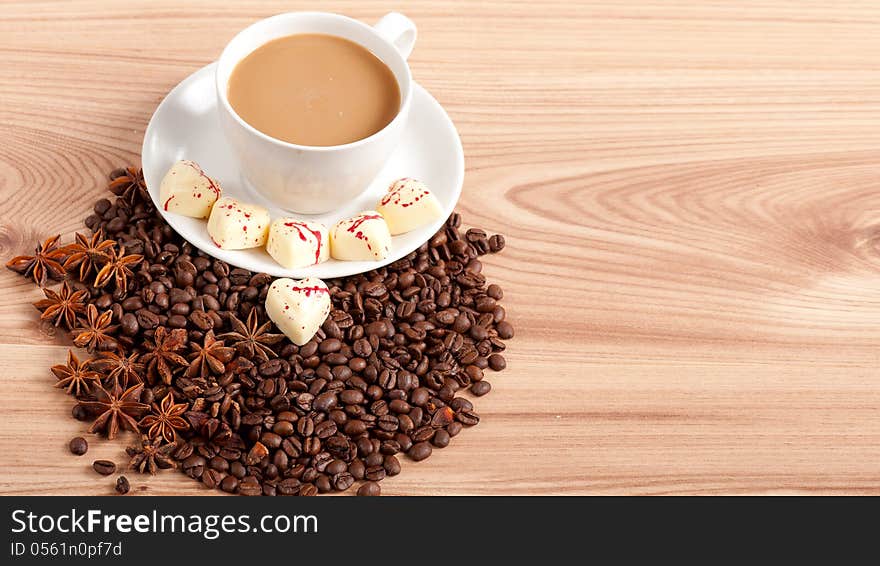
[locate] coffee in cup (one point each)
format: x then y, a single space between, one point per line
314 89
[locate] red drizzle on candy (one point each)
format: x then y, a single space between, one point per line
298 227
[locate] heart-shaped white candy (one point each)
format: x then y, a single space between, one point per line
298 308
236 225
297 243
361 237
187 190
408 205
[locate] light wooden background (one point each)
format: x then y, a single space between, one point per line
690 193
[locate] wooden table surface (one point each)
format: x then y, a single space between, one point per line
690 193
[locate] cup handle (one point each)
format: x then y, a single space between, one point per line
399 30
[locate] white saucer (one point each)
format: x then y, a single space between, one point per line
186 125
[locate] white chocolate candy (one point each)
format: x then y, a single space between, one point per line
187 190
298 308
360 238
297 243
235 225
408 205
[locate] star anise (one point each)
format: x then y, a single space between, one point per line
151 455
119 371
62 306
213 435
162 356
165 419
45 263
117 268
209 357
77 378
88 253
129 185
115 409
95 331
252 340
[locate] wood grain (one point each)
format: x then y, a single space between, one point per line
690 196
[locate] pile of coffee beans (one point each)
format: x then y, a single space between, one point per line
213 392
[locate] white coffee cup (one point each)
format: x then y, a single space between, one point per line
311 179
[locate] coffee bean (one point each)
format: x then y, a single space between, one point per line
375 472
495 291
422 434
351 397
250 489
312 445
420 396
355 427
369 489
442 417
417 416
201 319
467 418
115 225
475 234
132 303
147 319
330 346
237 469
375 458
405 423
473 373
505 330
336 466
388 422
323 484
104 467
446 317
441 438
454 428
80 413
122 485
496 243
404 441
391 465
497 362
343 481
480 388
419 451
326 429
212 479
194 465
288 486
128 324
78 445
477 333
229 484
485 304
461 324
325 401
389 447
270 440
219 464
377 328
177 295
